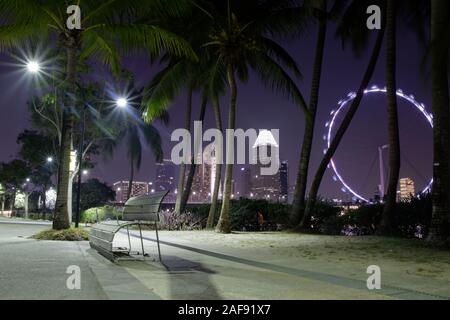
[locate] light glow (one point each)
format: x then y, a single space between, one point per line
33 67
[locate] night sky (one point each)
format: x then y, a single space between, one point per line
262 109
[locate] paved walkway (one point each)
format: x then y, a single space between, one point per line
32 269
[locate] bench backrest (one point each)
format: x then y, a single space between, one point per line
143 208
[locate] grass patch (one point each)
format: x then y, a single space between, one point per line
71 234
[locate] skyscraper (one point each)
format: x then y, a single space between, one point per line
284 181
265 186
205 175
407 190
137 189
165 179
245 183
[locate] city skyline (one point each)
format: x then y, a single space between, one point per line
271 111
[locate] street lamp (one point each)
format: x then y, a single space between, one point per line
49 159
33 67
122 102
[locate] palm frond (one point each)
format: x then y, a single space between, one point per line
276 78
166 85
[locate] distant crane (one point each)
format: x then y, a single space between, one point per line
382 187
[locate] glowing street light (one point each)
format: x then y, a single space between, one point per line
49 159
122 102
33 67
85 172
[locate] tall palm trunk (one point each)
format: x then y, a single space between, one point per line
193 166
387 226
223 225
61 217
44 202
440 224
215 195
310 119
182 173
13 200
130 181
341 131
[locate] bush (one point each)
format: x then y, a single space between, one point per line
326 218
244 215
411 219
63 235
99 214
186 221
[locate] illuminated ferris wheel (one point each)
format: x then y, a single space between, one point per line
328 137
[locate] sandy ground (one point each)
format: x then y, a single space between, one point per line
404 264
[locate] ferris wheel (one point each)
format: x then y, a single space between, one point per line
328 137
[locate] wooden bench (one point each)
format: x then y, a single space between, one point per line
142 210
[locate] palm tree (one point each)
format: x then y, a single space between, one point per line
184 75
218 168
387 226
350 27
104 25
193 166
440 224
134 143
239 42
298 204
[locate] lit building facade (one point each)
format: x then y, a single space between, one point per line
165 179
407 189
284 182
265 186
137 189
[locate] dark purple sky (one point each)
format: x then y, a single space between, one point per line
259 108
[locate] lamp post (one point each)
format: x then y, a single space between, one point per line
2 197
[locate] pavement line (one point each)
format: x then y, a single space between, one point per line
27 223
391 291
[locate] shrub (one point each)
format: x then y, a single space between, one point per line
244 215
99 214
63 235
411 219
326 218
185 221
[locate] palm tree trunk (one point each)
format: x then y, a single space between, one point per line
387 227
130 181
13 200
440 224
312 198
182 173
61 217
310 119
193 166
44 205
215 195
223 226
